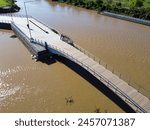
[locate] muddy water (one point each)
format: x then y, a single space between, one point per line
29 86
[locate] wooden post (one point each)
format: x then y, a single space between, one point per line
129 82
113 70
120 75
99 61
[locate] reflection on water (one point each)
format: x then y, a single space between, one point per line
29 86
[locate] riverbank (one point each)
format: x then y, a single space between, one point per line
127 18
8 6
137 9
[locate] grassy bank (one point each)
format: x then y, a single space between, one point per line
10 3
134 8
7 6
4 3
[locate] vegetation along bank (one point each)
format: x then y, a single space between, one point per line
134 8
7 6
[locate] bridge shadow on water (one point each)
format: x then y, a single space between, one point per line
94 81
48 60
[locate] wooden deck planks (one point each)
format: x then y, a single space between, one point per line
147 106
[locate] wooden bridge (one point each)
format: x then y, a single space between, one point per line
41 39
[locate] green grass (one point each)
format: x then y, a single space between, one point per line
126 3
146 3
5 3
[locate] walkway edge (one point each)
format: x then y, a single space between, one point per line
127 18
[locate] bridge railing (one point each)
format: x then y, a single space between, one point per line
19 31
104 80
121 76
14 15
23 37
51 28
97 75
5 21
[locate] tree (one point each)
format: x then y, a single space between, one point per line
139 3
132 3
118 4
99 3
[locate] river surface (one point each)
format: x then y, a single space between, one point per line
29 86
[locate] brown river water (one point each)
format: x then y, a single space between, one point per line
29 86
